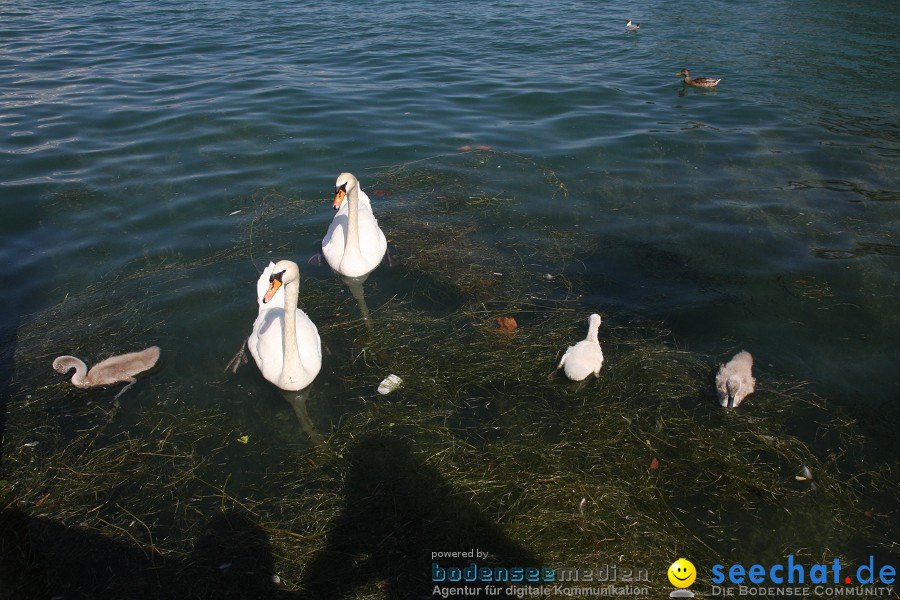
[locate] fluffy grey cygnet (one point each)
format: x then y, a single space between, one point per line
112 370
734 381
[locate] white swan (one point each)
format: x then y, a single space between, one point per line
354 244
735 381
112 370
584 358
284 342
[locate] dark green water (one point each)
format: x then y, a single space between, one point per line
713 211
762 215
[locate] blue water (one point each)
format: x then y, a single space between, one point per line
164 118
760 215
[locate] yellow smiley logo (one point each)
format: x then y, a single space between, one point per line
682 573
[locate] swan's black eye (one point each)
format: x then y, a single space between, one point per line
275 276
341 188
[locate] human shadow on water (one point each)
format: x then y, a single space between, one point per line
40 558
232 559
398 512
355 285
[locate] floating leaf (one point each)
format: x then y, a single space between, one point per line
507 324
654 464
244 439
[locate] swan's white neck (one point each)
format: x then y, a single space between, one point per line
291 367
593 328
352 252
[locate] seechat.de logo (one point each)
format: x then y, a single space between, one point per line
682 574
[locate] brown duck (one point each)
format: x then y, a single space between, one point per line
706 82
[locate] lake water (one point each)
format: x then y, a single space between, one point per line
762 215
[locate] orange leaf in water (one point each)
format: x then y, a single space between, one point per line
507 324
654 464
869 514
465 148
42 500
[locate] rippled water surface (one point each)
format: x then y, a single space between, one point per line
760 215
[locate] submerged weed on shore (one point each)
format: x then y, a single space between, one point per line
171 496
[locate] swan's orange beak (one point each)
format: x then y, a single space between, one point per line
274 284
339 196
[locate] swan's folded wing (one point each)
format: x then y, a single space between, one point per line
265 343
125 366
364 200
372 242
333 242
309 343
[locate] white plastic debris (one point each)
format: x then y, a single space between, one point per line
390 383
805 474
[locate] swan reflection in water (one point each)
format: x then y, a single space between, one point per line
298 401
